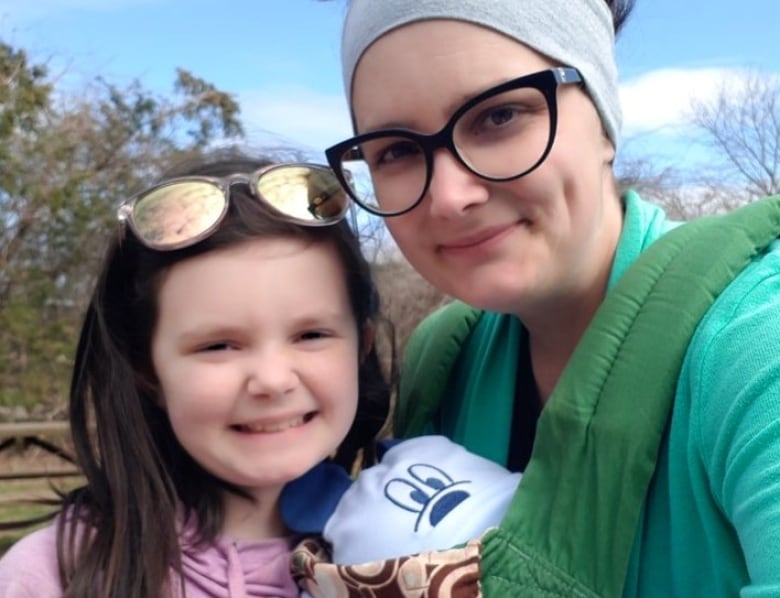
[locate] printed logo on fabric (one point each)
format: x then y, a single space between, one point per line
427 491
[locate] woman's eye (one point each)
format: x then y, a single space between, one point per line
501 116
497 117
397 151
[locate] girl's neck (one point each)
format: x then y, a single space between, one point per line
257 519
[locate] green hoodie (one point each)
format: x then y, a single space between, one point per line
706 428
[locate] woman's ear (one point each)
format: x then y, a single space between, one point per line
367 336
608 148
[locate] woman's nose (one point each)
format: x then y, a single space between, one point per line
453 189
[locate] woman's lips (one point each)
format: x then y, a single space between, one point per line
481 239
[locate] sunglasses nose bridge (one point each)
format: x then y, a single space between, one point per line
237 179
124 212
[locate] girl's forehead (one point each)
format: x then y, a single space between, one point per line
260 280
256 257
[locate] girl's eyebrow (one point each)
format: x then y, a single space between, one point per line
325 318
307 318
200 333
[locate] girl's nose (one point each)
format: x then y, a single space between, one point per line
453 189
271 376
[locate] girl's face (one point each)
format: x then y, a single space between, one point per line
510 246
256 351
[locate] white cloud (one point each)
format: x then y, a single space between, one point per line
297 116
660 100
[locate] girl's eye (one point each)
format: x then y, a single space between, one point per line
214 347
311 335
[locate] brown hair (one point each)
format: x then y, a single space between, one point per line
138 477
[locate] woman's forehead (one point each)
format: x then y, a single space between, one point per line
433 65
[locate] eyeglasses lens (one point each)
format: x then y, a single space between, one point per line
388 172
505 135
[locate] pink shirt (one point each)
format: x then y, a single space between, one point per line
225 569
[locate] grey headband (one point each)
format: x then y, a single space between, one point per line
576 33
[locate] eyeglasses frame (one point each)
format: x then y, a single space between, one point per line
546 81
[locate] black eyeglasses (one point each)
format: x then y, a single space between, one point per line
501 134
182 211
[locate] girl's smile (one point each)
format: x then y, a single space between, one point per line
274 426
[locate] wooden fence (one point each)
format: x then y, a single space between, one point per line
49 436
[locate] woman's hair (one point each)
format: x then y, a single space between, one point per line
620 9
118 534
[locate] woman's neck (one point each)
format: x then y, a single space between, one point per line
555 329
552 345
556 325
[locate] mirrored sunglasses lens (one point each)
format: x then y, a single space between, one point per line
178 214
303 192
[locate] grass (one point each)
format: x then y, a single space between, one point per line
16 495
16 506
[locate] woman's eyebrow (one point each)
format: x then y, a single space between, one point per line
449 109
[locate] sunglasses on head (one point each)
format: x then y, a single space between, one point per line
183 211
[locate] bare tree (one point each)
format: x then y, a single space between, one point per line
741 125
406 297
740 129
684 194
66 161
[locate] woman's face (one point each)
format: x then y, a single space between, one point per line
510 246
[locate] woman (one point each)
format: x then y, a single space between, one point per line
486 134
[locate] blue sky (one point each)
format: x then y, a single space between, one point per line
281 57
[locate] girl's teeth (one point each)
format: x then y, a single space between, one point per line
277 427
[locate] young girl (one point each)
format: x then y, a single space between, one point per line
226 350
227 355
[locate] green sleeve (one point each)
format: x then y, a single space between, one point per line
736 410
